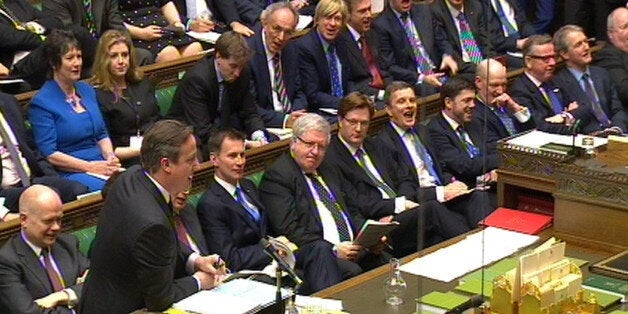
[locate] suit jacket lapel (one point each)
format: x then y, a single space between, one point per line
188 215
262 61
34 266
233 205
373 154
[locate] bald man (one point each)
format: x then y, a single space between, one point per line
501 114
41 269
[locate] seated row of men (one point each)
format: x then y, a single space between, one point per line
316 196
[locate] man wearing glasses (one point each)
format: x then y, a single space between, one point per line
536 90
308 201
274 75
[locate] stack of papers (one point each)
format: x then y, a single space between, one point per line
476 250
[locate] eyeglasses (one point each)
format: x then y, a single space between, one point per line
311 145
354 123
545 59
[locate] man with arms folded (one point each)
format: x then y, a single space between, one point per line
309 202
589 85
535 89
41 269
275 77
455 209
135 252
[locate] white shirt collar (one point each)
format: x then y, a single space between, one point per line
454 12
231 189
161 189
454 125
351 149
37 250
356 36
536 82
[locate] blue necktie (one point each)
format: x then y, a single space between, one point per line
336 83
598 112
471 149
246 203
506 120
428 162
501 14
551 98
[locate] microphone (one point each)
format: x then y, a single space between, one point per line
270 249
473 302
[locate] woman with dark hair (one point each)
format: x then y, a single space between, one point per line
126 98
67 124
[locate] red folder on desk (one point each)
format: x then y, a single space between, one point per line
517 220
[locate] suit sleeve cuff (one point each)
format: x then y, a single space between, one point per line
400 204
198 282
440 194
189 265
522 115
72 297
285 120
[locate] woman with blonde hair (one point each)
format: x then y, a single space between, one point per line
126 98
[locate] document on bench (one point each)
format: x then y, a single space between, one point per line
234 297
474 251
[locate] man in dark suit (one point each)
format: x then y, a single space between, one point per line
215 93
138 268
41 269
411 48
367 76
232 217
614 55
465 24
499 114
535 89
386 191
459 139
104 16
309 202
512 30
36 167
206 15
275 77
323 61
589 85
455 209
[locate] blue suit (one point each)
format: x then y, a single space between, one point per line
58 128
396 53
315 75
606 92
230 230
261 81
526 93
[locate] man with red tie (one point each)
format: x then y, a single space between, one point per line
41 270
367 76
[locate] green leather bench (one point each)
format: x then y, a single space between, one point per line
164 99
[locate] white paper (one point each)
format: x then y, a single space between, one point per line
465 256
304 21
281 132
136 141
325 304
535 139
331 111
209 37
234 297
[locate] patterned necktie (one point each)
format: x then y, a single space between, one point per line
501 14
55 278
182 232
428 162
334 208
469 44
551 98
14 154
89 17
280 87
506 120
332 60
376 75
471 149
10 14
599 113
248 206
422 61
361 156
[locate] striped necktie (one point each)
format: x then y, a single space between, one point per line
469 44
428 162
332 60
422 61
334 207
466 141
506 120
551 98
55 277
243 199
361 155
501 14
89 18
280 87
